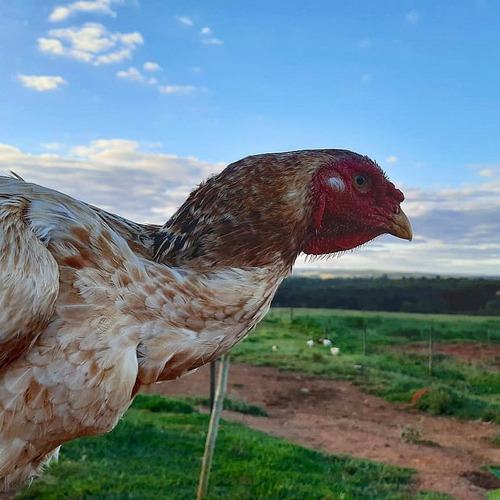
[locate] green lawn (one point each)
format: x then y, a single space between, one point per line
157 455
155 451
374 356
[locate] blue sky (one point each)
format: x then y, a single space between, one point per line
129 104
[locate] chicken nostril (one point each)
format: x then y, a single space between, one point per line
396 209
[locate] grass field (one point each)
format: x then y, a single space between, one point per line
157 454
385 354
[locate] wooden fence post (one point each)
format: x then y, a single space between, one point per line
212 384
213 427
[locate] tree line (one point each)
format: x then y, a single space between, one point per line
410 294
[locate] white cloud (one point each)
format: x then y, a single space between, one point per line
486 170
132 74
42 83
391 159
176 89
51 45
413 17
96 149
456 230
212 41
113 57
119 175
187 21
207 37
151 66
91 43
206 34
61 13
486 173
131 39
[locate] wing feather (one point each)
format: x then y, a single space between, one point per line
29 279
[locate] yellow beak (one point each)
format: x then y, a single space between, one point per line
400 226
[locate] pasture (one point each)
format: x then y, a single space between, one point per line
156 453
156 450
388 354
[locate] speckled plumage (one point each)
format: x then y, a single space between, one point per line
92 305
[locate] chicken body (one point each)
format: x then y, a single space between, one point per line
92 305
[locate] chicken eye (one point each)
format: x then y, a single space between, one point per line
360 180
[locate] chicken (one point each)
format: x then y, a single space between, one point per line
92 306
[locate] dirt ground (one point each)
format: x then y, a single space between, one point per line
468 351
336 417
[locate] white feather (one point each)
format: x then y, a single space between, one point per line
337 184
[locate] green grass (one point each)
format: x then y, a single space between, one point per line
159 404
154 454
155 451
383 365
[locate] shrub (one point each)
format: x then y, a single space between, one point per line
438 402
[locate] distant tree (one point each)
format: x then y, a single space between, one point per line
412 294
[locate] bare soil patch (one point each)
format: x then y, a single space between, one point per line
469 351
337 417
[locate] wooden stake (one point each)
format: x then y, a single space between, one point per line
212 384
213 427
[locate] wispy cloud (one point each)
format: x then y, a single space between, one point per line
176 89
91 43
412 17
486 173
485 170
206 37
61 13
151 66
134 75
185 20
391 159
42 83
